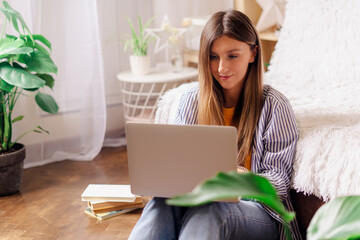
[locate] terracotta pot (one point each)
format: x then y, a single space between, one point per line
11 169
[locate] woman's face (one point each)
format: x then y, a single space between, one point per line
229 60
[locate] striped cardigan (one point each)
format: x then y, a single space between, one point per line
274 143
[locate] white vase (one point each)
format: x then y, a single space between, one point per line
177 63
176 59
140 65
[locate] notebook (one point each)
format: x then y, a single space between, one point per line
169 160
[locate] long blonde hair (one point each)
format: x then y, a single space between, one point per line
236 25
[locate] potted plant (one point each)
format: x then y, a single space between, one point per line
25 68
138 44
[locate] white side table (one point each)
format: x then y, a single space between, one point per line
141 93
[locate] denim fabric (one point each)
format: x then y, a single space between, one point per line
216 220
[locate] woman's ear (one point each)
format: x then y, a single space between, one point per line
253 54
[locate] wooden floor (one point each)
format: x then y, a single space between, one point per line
49 205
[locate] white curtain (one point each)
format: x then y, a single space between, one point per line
85 38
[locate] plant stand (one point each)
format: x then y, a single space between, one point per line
142 93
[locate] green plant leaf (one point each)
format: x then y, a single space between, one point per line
19 77
14 16
46 103
11 36
41 49
138 43
5 86
38 37
31 89
18 118
25 133
40 63
28 43
232 185
49 80
43 130
22 50
337 219
9 46
37 46
14 22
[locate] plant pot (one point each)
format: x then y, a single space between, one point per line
11 169
140 65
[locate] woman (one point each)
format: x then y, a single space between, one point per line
231 92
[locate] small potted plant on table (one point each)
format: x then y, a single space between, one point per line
25 68
138 44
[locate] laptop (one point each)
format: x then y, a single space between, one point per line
169 160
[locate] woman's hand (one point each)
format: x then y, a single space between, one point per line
241 169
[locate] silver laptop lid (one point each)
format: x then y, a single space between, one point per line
169 160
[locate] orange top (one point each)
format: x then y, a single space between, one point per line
228 114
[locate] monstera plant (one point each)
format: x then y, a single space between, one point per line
25 69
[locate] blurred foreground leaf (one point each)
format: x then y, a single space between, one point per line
232 185
337 219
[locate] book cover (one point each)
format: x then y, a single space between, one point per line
136 205
107 215
108 192
105 205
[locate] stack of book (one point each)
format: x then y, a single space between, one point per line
109 200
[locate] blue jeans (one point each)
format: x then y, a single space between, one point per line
216 220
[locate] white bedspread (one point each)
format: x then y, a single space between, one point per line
316 64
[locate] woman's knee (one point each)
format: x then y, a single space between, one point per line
222 220
156 205
157 201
